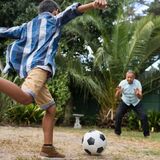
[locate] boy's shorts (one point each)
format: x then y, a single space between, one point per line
35 85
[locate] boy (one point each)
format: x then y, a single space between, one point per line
32 57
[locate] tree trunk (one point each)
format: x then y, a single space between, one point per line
68 113
1 66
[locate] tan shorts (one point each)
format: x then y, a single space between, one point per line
35 85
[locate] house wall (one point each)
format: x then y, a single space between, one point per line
151 101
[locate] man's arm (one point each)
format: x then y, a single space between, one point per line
118 92
138 90
99 4
138 93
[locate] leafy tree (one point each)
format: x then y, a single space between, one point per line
71 55
154 8
130 46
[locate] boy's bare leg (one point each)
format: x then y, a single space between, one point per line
15 92
48 150
48 124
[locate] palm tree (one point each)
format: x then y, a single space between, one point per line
131 45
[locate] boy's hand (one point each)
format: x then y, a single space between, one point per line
100 4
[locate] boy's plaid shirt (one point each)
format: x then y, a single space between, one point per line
36 41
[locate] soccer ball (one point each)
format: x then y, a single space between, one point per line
94 142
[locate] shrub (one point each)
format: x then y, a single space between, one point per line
132 121
154 120
58 87
26 115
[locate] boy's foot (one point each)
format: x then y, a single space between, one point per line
50 153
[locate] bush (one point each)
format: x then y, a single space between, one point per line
132 121
26 115
58 87
154 120
12 112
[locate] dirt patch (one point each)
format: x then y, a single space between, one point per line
24 143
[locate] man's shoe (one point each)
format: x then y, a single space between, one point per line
117 134
51 153
146 136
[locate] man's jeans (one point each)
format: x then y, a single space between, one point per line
123 108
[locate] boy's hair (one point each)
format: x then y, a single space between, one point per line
48 6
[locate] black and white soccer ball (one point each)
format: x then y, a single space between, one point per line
94 142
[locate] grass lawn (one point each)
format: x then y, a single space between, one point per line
24 143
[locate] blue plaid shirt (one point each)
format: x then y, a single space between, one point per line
36 41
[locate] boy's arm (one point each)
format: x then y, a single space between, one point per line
13 32
99 4
77 9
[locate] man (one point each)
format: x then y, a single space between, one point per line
32 56
131 91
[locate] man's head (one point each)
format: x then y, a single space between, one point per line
49 6
130 76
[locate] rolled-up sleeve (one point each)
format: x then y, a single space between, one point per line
68 14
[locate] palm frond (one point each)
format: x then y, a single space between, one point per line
139 40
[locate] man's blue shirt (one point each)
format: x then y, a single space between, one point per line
36 41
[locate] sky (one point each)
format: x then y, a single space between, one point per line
155 65
139 8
